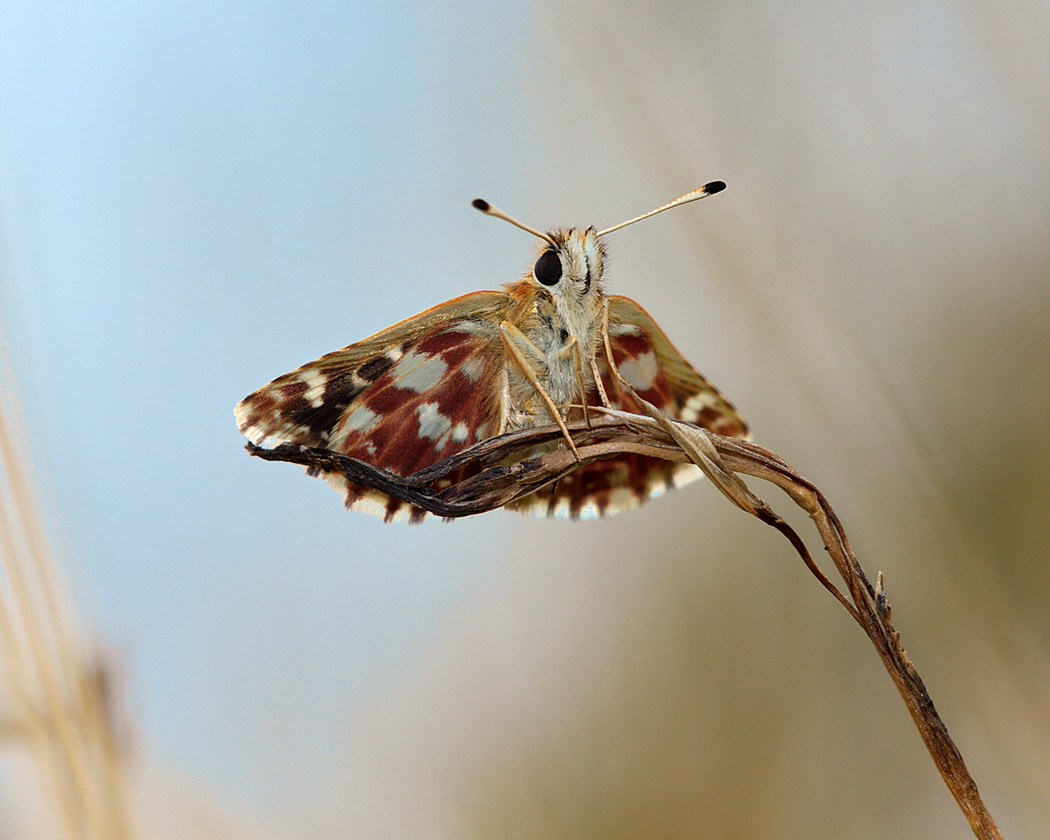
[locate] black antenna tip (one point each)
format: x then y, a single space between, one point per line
714 187
484 206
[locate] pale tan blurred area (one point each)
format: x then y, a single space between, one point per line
72 766
872 291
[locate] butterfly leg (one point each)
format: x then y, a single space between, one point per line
598 381
622 385
520 347
594 358
613 370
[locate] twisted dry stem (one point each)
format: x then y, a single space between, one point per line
511 466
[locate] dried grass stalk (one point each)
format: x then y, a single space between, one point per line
507 467
58 694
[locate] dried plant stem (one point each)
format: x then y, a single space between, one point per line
508 467
873 614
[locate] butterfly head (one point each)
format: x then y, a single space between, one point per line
570 267
571 263
573 260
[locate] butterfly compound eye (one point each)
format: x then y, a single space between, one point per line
548 268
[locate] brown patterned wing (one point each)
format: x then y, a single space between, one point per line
402 399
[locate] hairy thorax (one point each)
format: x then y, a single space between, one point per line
565 334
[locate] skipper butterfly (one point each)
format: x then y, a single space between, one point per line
537 353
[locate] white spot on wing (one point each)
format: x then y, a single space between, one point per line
561 508
418 372
618 329
361 419
315 382
432 423
621 498
459 432
472 368
589 510
375 503
686 474
697 403
469 327
640 371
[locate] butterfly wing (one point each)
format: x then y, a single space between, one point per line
402 399
659 374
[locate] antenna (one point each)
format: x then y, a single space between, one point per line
695 195
489 210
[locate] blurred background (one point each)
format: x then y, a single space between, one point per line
196 199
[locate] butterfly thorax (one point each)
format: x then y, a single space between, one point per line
559 309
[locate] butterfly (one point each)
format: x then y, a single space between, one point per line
537 353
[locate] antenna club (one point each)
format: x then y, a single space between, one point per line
489 210
694 195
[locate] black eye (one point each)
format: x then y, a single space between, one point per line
548 268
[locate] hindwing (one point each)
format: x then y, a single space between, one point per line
647 359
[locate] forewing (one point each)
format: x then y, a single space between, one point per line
659 374
402 399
